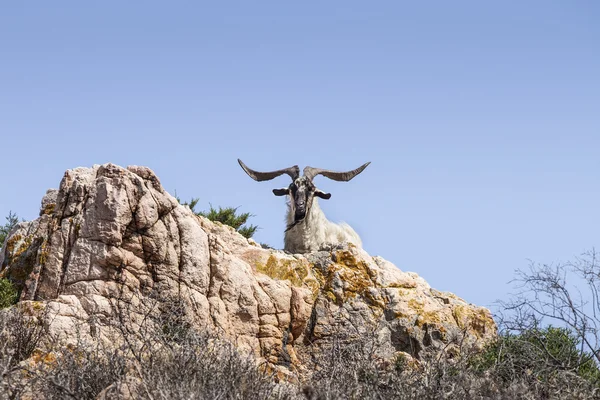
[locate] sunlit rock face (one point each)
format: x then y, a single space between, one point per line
111 236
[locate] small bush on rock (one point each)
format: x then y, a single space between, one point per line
227 216
5 229
9 294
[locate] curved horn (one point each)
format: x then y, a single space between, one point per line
311 172
293 172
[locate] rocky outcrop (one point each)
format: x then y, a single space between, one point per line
111 235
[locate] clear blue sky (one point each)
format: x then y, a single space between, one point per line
481 119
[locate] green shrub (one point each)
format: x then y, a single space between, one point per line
9 294
5 229
540 353
227 216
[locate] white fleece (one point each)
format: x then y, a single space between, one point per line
315 231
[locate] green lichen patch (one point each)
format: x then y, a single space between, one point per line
405 292
22 257
416 306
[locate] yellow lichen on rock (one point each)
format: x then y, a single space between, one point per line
20 262
349 277
43 252
12 243
49 208
430 317
357 281
32 308
348 259
39 356
403 285
283 269
415 305
476 320
292 270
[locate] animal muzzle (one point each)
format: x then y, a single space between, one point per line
299 215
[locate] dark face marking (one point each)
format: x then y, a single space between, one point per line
301 192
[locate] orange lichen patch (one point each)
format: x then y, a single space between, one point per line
403 285
399 314
23 245
347 258
49 208
39 356
352 276
357 282
476 320
12 243
433 319
426 315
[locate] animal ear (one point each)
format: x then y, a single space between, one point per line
323 195
281 192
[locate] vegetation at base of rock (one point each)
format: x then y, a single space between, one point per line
172 361
540 353
20 336
202 365
175 361
11 221
352 370
9 294
227 216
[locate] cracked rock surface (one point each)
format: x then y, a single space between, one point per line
113 234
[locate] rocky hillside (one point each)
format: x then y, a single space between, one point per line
112 239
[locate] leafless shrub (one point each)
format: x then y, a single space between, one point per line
204 367
158 354
566 294
20 336
180 362
353 370
80 372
